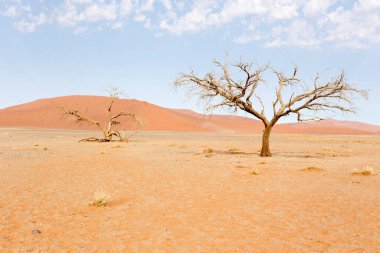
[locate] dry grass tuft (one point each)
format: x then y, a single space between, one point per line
255 172
366 171
241 167
327 151
312 169
208 151
263 162
234 151
101 198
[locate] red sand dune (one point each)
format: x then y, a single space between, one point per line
43 114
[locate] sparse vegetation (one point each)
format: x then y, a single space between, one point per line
113 120
208 151
234 151
101 198
254 171
313 169
366 171
328 151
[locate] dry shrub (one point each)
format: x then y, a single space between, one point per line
254 171
366 171
313 169
101 197
328 151
208 151
234 151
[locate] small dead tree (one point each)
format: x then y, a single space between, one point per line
112 119
241 93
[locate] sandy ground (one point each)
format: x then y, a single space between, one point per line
168 196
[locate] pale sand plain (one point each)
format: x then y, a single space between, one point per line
167 195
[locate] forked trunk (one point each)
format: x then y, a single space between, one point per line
265 150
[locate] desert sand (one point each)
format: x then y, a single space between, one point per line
168 195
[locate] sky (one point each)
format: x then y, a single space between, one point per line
56 48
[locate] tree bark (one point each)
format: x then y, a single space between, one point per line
265 150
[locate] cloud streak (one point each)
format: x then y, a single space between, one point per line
272 23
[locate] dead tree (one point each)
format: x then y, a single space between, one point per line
223 89
112 119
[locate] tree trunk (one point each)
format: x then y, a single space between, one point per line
265 151
109 132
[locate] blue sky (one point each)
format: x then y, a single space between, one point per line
56 48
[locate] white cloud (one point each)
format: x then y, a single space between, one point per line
147 6
67 17
81 1
80 30
11 11
140 18
198 18
355 28
75 12
98 11
273 23
169 9
283 10
15 9
126 7
367 5
243 39
30 25
298 33
316 7
117 25
206 14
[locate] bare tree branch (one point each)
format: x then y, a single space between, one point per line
229 92
108 131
